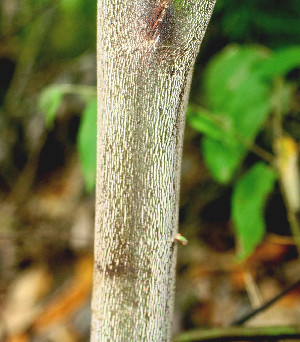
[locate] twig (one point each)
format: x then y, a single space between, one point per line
266 305
252 289
240 334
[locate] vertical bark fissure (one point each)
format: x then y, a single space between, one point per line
146 52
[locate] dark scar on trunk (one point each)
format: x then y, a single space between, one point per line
159 24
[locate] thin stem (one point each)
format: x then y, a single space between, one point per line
266 305
240 334
252 289
260 152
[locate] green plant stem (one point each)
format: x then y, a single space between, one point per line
260 152
240 334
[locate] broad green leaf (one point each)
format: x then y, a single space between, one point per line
249 108
227 71
248 203
49 102
280 62
87 144
244 99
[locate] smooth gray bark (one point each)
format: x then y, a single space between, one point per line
146 52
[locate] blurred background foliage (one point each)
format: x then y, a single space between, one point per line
240 172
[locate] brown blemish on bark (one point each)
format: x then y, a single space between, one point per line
158 16
158 23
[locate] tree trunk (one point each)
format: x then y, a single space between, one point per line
146 52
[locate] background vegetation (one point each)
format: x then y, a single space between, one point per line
240 177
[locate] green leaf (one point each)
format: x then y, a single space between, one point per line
49 102
227 71
233 88
248 202
280 63
87 144
249 108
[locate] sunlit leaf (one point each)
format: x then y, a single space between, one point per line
248 203
87 141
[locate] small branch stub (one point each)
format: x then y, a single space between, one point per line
182 239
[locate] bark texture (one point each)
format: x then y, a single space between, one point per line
146 52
